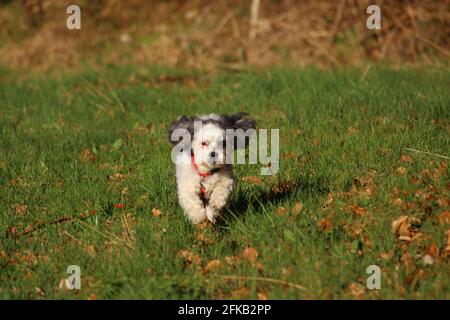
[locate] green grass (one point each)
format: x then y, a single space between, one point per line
334 126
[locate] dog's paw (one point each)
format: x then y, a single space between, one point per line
197 217
211 214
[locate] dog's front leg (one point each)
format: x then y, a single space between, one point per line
192 205
218 198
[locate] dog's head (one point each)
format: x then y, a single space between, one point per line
211 136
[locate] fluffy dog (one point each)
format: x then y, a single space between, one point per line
204 171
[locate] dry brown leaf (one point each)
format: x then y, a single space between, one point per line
156 212
444 217
353 130
330 199
387 255
433 250
205 225
39 291
241 293
402 228
398 202
252 179
212 265
250 254
90 250
92 296
116 177
443 202
401 170
325 224
231 260
285 272
21 209
203 238
356 210
406 158
297 207
262 296
189 257
281 211
87 155
357 290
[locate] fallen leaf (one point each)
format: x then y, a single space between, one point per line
203 238
116 177
252 179
87 155
401 170
281 211
262 296
119 205
92 296
353 130
90 250
402 227
357 290
190 257
285 272
39 291
406 158
297 207
21 209
205 225
156 212
433 250
212 265
444 217
356 210
330 199
325 224
243 292
387 255
443 202
250 254
231 260
398 202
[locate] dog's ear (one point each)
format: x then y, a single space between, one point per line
182 122
238 121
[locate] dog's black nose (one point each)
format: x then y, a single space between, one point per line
213 154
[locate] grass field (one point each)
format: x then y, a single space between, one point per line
86 179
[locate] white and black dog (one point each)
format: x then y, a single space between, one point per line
203 168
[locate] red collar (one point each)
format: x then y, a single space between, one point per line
196 168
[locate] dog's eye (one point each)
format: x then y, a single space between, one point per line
205 144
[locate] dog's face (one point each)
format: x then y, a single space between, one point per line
208 145
208 136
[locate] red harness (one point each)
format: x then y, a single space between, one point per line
203 175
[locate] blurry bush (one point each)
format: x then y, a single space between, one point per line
229 34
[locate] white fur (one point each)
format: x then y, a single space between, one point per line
218 186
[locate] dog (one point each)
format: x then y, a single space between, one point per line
204 173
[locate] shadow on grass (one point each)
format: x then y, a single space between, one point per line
256 199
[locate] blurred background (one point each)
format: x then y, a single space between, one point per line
222 34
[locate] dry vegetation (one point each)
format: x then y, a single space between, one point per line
228 34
